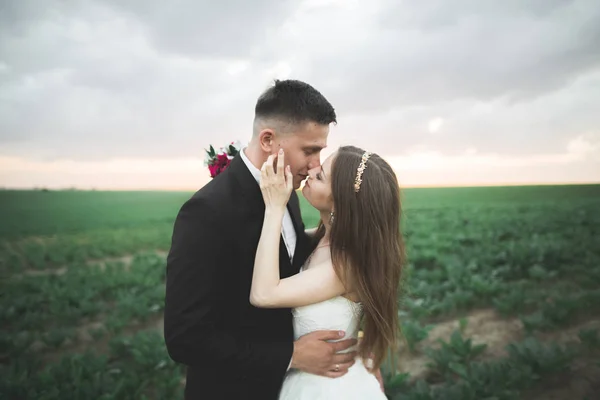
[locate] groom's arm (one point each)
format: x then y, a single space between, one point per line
196 276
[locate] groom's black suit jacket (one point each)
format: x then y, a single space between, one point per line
232 349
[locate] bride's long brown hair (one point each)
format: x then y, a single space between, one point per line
367 247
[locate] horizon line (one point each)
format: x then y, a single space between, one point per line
413 186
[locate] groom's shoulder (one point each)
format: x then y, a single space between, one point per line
217 190
214 197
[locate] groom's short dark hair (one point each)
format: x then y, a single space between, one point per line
294 102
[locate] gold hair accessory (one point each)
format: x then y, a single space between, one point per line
361 168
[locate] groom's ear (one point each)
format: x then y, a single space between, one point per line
266 138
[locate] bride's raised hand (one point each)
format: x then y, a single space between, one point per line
276 186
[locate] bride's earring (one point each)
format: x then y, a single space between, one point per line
331 218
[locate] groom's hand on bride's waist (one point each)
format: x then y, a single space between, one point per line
314 354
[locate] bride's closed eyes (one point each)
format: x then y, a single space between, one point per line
320 174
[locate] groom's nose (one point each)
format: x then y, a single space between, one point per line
314 163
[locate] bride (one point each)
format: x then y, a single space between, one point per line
351 280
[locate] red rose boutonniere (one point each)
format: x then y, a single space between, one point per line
218 161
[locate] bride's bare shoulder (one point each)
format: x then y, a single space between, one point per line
327 265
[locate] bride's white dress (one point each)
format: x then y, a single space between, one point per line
338 313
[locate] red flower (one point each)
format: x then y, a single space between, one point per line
214 171
219 165
218 162
222 159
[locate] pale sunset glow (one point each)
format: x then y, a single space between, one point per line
112 95
415 168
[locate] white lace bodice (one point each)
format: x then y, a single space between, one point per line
338 313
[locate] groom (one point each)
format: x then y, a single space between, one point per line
233 350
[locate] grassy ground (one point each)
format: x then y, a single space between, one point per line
502 301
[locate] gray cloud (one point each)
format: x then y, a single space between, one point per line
541 125
230 29
102 79
89 82
425 52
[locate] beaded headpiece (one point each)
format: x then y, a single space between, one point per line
361 168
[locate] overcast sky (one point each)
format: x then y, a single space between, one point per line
127 94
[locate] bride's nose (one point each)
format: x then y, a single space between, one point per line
312 173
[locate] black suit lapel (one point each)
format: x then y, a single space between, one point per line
248 187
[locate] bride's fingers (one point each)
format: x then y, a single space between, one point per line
281 178
270 160
280 166
289 181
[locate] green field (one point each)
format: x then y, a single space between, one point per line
502 294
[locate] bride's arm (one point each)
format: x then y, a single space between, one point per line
269 291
